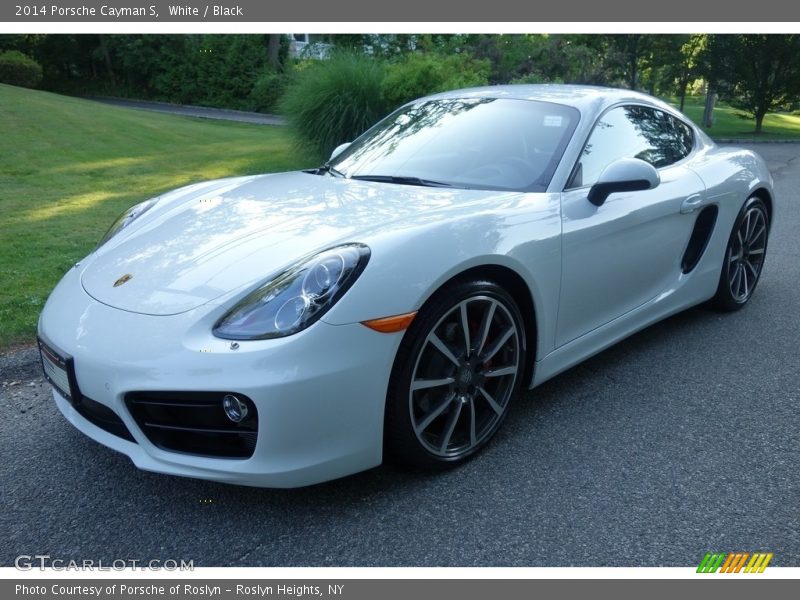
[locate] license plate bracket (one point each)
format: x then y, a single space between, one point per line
59 370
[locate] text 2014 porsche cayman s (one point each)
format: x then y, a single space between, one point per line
287 329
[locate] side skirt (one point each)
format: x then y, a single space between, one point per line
696 288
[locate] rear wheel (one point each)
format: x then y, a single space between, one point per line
744 256
457 369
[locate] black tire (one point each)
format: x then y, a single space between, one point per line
744 257
447 400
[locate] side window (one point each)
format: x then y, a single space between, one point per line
683 137
632 132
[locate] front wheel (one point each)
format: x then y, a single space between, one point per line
744 256
458 367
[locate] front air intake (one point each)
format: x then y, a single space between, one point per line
195 423
103 417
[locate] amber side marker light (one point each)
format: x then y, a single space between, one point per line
391 324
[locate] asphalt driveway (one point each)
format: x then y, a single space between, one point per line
201 112
681 440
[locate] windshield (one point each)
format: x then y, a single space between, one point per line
477 143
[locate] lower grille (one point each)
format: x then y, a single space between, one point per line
194 423
103 417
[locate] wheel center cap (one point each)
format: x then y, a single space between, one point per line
465 376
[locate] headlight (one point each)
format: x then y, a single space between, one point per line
126 218
296 298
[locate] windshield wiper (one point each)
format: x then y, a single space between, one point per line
403 180
326 168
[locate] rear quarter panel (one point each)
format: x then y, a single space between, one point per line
731 175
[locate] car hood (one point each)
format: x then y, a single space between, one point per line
203 242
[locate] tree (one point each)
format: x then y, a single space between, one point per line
106 56
756 73
681 57
510 55
552 58
274 51
633 52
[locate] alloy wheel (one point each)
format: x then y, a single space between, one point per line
464 376
745 256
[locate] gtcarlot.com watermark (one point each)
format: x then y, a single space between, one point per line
29 562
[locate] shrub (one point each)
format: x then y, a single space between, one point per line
208 70
419 74
226 72
335 100
18 69
267 91
536 78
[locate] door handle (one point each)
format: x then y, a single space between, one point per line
691 204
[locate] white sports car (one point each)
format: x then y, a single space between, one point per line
282 330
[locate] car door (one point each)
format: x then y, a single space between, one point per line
620 255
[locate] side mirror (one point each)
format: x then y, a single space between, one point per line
338 150
623 175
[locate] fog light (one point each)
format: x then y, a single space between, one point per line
235 409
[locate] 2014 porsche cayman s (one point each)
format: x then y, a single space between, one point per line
287 329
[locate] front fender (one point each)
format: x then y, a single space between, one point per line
408 265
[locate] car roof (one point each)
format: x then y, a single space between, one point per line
590 100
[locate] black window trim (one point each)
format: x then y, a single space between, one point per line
622 105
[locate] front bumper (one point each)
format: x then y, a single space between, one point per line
320 393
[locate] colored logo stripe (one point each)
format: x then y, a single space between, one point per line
733 562
710 563
758 563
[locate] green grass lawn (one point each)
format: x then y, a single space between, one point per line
729 125
68 167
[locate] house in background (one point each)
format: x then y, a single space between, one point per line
308 45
